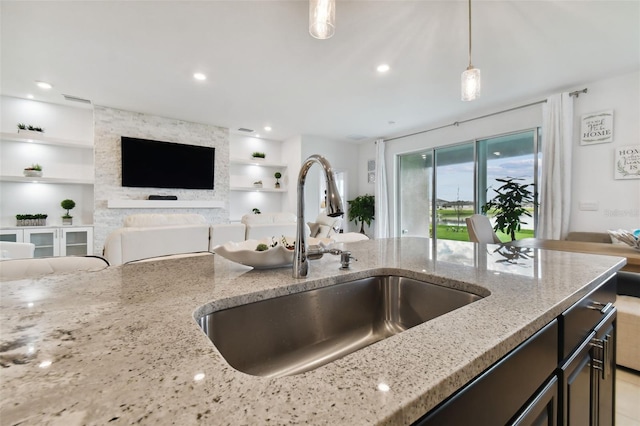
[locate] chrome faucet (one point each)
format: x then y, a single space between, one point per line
334 208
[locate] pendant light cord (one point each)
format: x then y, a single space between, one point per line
470 66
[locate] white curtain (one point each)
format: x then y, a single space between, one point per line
555 182
382 204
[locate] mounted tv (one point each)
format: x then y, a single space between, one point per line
155 164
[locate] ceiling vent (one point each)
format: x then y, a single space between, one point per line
76 99
242 129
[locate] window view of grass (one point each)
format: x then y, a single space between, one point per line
456 229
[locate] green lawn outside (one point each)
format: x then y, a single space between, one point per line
459 233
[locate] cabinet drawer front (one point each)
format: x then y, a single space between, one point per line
495 396
579 320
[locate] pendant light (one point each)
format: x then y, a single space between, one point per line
470 77
322 18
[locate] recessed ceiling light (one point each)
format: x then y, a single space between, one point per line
257 135
383 68
267 128
30 96
199 76
43 85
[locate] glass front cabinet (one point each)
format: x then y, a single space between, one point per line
54 241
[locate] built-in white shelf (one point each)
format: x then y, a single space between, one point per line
44 179
164 204
252 162
254 189
40 138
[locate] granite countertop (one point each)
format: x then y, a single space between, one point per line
121 345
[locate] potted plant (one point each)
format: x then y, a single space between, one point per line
256 211
258 155
510 205
39 219
67 219
362 209
35 170
24 128
277 175
257 184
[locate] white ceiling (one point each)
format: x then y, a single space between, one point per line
264 68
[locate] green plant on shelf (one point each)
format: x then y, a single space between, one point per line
67 205
22 126
258 155
35 167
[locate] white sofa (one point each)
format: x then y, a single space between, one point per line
146 236
149 236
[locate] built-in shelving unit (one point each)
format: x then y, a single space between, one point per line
254 189
258 162
45 179
76 156
242 178
40 138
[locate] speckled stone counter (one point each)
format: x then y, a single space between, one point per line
121 345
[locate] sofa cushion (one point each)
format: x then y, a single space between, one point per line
18 269
154 219
225 232
268 218
129 244
314 228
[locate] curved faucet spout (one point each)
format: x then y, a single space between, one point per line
334 208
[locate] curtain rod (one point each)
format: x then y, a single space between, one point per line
457 123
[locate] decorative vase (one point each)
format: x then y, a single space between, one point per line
31 133
32 173
277 185
67 221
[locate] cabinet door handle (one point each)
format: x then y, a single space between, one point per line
598 306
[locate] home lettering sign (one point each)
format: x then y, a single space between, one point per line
596 128
628 162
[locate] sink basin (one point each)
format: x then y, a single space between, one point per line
299 332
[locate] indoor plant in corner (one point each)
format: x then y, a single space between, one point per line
510 205
362 209
67 204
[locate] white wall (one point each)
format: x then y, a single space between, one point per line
59 122
593 166
343 158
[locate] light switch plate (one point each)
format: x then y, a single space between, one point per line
588 205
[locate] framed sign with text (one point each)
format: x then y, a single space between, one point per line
628 162
596 128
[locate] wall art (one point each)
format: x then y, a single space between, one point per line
596 128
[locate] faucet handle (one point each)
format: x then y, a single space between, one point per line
345 258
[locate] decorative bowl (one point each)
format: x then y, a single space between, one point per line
245 252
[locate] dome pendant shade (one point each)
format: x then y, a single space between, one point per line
470 84
322 18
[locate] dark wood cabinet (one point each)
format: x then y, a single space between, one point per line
563 375
588 378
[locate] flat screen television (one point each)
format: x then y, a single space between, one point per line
155 164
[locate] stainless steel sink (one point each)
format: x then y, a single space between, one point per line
299 332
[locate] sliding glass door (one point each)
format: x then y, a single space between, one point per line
438 188
455 170
415 190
